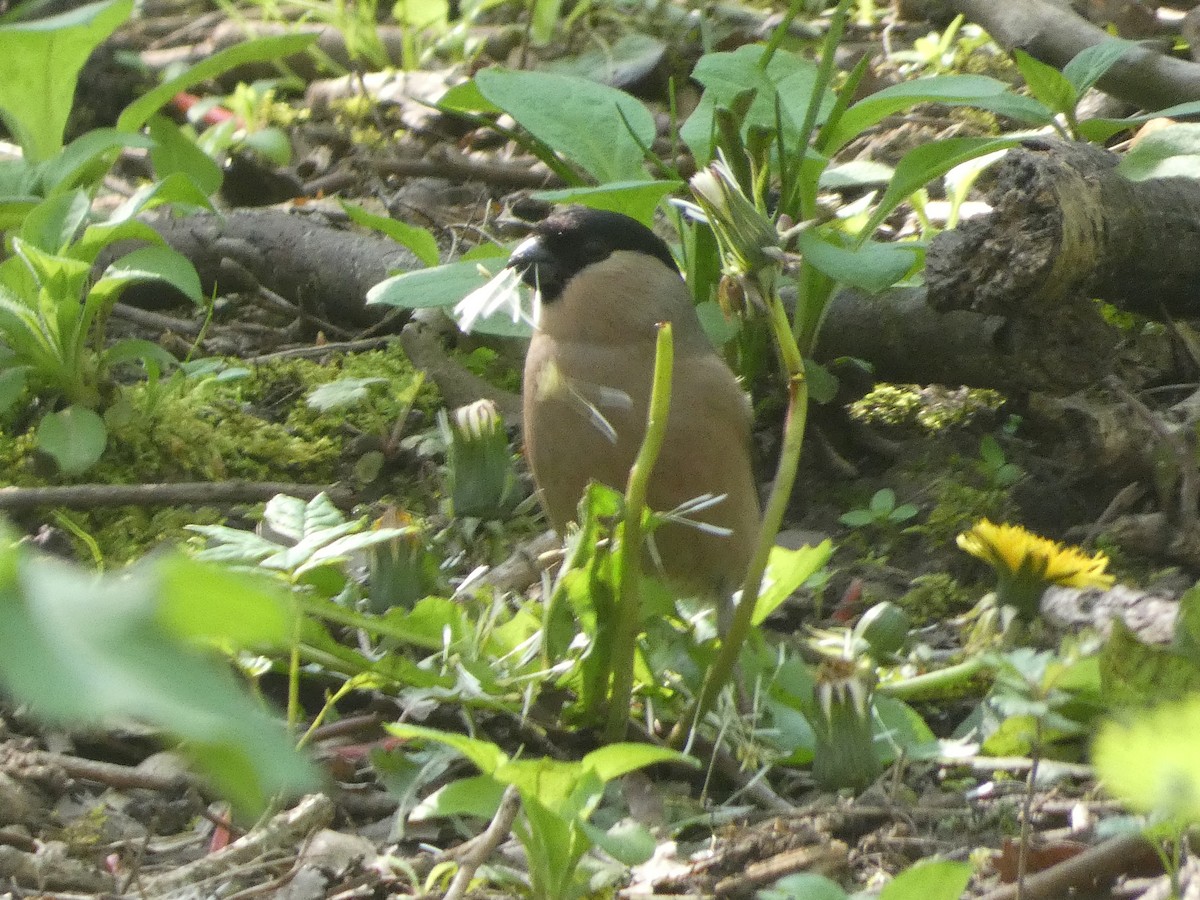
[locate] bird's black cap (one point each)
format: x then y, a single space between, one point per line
564 244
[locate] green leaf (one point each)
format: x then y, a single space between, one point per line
53 223
616 760
40 62
872 267
439 286
206 602
466 97
636 199
951 90
1151 763
174 153
1047 83
543 18
82 649
1167 152
86 159
583 121
727 76
1097 130
803 886
74 437
267 49
922 164
12 385
883 501
340 394
477 796
857 518
150 264
1090 64
929 881
786 571
629 843
419 240
485 755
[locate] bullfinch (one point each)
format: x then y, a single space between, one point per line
605 281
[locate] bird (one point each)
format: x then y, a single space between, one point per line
604 281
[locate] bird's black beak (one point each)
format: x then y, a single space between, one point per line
538 267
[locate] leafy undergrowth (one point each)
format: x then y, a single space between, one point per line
394 687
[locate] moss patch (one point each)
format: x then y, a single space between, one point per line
229 424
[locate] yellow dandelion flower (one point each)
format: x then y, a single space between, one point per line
1026 563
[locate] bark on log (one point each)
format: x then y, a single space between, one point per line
1067 227
327 271
1056 35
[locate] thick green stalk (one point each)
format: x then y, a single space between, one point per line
629 555
785 478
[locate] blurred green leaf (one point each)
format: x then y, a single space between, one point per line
40 62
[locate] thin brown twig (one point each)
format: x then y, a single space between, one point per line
480 848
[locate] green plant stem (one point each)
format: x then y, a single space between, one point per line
629 556
837 24
294 710
951 681
785 477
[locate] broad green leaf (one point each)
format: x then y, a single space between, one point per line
440 286
636 199
873 266
53 224
174 153
206 602
74 437
298 519
83 649
177 188
486 756
922 164
616 760
419 240
12 385
786 571
727 76
629 843
477 796
1097 130
939 880
900 731
1167 152
581 120
466 97
1090 64
1047 83
97 237
39 65
267 49
154 357
150 264
85 160
271 144
952 90
1137 674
